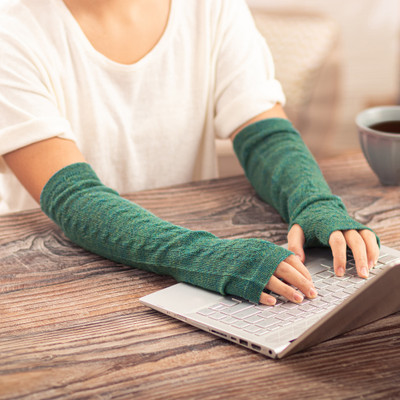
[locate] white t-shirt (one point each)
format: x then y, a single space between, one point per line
140 126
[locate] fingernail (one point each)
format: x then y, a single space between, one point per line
364 272
313 293
371 264
271 301
298 297
340 271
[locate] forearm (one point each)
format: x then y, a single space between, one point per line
286 175
98 219
280 167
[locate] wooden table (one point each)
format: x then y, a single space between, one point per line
72 325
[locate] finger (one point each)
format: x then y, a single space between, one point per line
296 263
267 299
277 286
372 247
296 241
338 245
357 245
293 277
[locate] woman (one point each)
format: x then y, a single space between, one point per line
138 90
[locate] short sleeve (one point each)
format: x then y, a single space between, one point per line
245 76
29 108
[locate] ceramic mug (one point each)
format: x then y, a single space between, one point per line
380 148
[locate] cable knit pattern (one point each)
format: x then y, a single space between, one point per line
99 220
285 174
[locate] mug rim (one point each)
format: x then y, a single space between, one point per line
366 129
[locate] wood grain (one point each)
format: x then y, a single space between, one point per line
72 326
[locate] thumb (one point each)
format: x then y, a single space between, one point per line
296 241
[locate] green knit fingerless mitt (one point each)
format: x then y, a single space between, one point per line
99 220
285 174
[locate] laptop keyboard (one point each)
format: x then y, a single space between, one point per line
260 319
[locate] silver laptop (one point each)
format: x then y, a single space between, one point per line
343 303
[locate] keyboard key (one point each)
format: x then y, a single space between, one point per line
319 303
274 327
356 280
229 320
281 308
350 290
377 271
333 288
236 308
269 313
283 316
344 284
340 295
314 270
324 292
252 329
326 274
321 284
262 307
289 305
265 323
218 307
296 312
386 258
329 299
217 316
262 332
351 271
247 312
253 319
307 307
240 324
281 300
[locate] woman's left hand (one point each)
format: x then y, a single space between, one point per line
362 243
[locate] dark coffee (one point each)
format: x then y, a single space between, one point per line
387 126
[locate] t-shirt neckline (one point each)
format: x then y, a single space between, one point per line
100 57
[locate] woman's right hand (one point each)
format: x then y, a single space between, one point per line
291 280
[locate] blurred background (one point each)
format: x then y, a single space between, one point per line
333 58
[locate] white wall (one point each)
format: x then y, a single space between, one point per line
370 48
